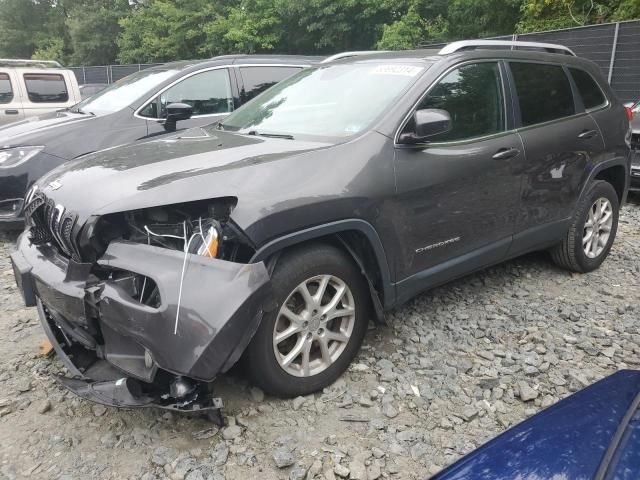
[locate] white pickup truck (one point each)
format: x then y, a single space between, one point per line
33 87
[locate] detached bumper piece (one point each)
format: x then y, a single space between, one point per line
125 351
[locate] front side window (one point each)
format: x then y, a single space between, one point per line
590 92
257 79
208 93
46 88
544 92
472 95
6 92
330 101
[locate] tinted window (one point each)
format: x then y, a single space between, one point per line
6 92
473 97
46 88
209 93
544 92
258 79
589 90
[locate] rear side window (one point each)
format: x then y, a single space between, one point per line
472 95
258 79
6 92
590 92
544 92
46 88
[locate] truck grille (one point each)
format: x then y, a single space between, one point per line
52 224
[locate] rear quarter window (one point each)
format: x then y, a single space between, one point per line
588 88
46 88
544 92
6 92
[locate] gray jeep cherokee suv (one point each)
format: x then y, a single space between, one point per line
338 194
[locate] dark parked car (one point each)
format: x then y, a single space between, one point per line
132 109
89 89
635 145
335 195
593 434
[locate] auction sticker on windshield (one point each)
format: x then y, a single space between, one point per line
406 70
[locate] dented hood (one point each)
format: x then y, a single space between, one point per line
197 164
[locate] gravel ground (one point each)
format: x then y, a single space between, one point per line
457 366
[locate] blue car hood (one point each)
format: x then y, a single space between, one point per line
567 441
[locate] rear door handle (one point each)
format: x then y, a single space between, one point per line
587 134
505 153
11 112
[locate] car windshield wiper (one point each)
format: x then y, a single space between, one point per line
271 135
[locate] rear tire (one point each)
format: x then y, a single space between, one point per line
307 281
592 231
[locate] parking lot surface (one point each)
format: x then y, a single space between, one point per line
455 367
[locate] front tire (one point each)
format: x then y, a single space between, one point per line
592 231
316 331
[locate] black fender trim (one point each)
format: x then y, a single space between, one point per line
614 162
277 244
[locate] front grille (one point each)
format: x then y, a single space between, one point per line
52 224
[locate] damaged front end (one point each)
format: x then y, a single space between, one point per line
146 307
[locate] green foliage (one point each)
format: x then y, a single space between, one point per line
94 32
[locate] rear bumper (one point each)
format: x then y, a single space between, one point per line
91 321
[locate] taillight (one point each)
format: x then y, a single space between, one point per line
629 113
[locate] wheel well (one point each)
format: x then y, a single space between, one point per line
358 246
616 176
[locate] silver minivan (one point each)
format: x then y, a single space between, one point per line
32 87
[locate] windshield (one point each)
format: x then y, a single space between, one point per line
331 101
636 108
122 93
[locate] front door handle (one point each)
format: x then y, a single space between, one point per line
505 153
11 112
587 134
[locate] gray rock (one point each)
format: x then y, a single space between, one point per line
44 406
163 455
389 411
297 403
98 410
231 432
284 457
526 393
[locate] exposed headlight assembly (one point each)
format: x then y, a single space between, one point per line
12 157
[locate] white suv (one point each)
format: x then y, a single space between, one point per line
34 87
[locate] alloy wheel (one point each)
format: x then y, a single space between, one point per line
314 325
597 228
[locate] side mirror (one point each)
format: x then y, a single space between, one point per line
175 113
428 123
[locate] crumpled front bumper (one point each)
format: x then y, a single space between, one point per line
84 317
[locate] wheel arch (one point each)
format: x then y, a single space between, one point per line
614 171
616 175
359 239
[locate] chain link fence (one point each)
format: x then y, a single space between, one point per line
107 73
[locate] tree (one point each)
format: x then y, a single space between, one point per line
164 30
24 26
482 18
93 26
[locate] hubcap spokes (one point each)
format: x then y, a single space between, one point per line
314 325
597 228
